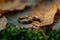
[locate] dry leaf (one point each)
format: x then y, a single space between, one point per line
45 12
57 2
3 22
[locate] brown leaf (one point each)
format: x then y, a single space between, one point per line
57 2
45 12
13 6
3 22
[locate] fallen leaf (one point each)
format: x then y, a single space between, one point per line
45 12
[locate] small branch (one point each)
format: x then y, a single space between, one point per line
43 34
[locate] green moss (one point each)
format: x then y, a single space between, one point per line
17 33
